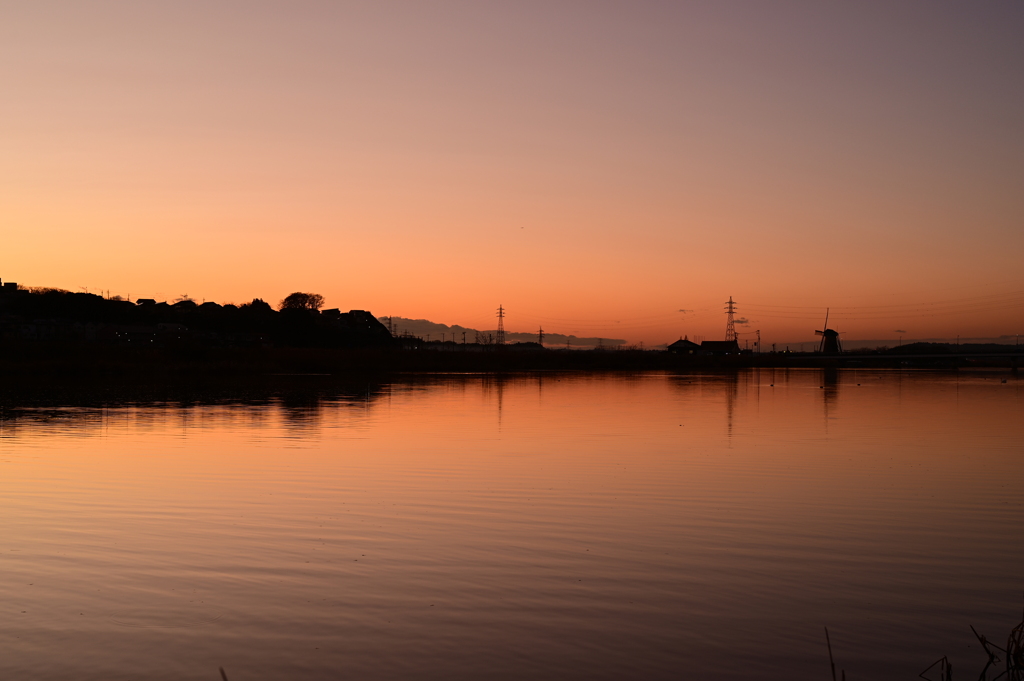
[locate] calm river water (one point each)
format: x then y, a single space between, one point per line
561 526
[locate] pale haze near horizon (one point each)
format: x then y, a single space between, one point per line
593 167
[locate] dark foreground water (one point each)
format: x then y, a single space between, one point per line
647 527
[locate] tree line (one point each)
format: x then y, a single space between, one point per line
299 320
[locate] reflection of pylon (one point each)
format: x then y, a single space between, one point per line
730 326
501 326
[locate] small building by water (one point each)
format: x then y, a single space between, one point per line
720 347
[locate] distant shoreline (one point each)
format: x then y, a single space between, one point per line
47 363
98 377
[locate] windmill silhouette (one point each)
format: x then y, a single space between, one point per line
830 343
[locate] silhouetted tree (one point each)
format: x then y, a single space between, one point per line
64 316
303 301
258 305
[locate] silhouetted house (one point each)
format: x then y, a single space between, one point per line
441 346
145 301
354 328
171 333
57 330
37 330
365 327
686 347
720 347
528 346
127 334
409 342
9 326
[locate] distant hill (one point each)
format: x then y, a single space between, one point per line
424 328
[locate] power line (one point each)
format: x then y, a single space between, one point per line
953 302
670 315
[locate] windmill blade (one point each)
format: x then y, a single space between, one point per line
819 333
826 318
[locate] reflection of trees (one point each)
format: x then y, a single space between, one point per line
299 405
15 421
301 412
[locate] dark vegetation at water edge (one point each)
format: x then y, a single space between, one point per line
1004 663
65 318
52 335
78 399
54 362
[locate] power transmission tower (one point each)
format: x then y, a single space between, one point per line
540 336
730 325
501 325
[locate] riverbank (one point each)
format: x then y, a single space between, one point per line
48 364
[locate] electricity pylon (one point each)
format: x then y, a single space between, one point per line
501 326
730 325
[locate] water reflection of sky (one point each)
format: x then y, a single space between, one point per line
605 526
734 400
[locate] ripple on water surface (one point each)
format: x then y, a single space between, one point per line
651 526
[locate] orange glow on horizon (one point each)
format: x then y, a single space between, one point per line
594 169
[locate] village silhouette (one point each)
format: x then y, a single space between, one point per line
55 330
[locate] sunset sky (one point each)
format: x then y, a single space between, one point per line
594 167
